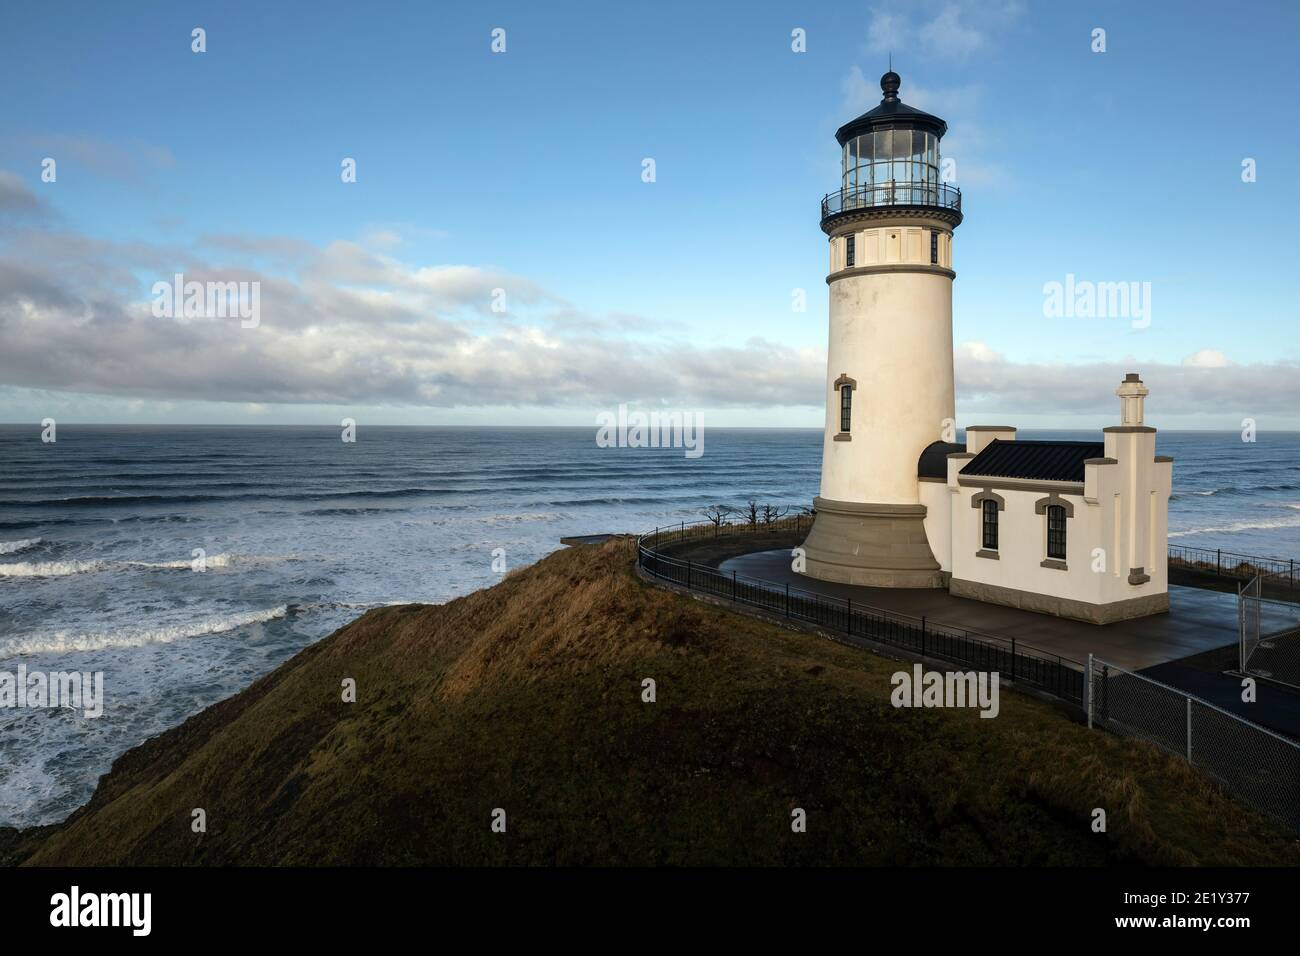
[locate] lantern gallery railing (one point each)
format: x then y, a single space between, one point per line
935 195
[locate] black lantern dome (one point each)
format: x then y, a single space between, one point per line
890 157
892 113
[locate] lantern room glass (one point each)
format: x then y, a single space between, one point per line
890 166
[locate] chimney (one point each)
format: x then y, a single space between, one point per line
1131 392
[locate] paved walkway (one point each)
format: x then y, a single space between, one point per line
1198 620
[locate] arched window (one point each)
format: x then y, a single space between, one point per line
1056 532
990 510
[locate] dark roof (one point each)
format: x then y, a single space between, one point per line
1038 460
892 113
933 462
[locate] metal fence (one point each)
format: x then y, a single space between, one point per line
1230 564
1270 633
860 623
1260 767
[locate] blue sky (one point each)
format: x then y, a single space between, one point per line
522 171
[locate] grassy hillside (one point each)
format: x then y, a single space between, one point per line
527 696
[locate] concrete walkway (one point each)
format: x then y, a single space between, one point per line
1198 620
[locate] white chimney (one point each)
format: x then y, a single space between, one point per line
1131 392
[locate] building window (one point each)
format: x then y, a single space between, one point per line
848 252
989 507
846 407
1056 532
934 248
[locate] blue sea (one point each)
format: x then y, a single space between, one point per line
298 532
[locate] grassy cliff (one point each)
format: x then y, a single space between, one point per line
527 696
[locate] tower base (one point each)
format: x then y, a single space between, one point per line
871 545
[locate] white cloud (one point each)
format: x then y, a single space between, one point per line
988 382
951 29
1207 358
342 325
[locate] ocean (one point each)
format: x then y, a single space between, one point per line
298 532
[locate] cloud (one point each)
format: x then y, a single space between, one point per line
1207 358
343 324
349 325
16 200
949 29
126 161
988 382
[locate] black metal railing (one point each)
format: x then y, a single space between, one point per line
1230 564
1011 659
934 195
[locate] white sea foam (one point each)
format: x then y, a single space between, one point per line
54 569
212 561
1291 522
63 641
9 547
49 569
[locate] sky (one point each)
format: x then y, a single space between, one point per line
502 259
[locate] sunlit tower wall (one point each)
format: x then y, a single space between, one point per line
889 375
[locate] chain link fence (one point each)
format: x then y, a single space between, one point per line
1258 766
1270 633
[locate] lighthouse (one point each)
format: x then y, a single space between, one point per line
889 374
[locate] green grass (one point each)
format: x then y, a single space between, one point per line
527 696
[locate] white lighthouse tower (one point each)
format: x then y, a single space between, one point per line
889 377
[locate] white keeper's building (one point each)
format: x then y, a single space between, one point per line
1077 529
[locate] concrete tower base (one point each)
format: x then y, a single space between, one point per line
871 545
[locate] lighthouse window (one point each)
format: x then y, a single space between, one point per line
849 252
990 510
1056 532
934 248
891 166
846 407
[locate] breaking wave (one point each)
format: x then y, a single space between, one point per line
56 569
1291 522
63 642
49 569
9 547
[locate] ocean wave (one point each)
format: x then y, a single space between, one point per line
1291 522
63 642
56 569
212 561
49 569
522 516
9 547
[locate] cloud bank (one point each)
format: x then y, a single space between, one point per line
347 324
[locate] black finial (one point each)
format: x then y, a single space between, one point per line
890 83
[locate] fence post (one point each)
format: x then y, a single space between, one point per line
787 599
1218 562
688 575
1189 730
1087 690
